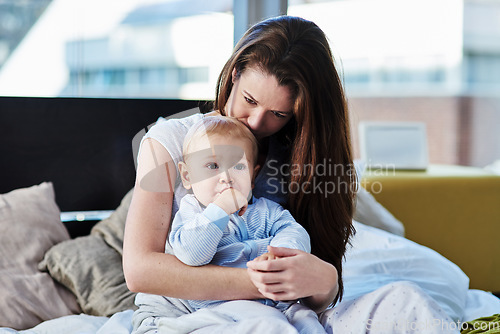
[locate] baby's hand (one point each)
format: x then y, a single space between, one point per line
266 257
231 200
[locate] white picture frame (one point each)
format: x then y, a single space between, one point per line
396 145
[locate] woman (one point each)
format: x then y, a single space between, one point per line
280 82
293 56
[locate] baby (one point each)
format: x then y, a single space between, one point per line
221 223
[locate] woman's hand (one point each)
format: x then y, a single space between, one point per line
295 274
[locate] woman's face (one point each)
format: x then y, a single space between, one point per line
259 102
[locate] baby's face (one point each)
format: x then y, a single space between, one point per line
217 163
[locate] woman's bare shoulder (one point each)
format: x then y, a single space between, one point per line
213 113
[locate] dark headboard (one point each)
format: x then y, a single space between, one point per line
83 146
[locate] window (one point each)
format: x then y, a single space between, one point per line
386 45
483 71
113 48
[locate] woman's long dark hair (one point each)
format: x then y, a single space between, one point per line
297 53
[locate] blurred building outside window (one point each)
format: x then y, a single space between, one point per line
120 48
436 62
150 48
411 47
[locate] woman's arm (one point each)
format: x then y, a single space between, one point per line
295 275
146 266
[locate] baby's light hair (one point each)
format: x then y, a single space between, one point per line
222 126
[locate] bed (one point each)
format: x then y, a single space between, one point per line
72 160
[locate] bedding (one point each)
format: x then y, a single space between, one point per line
358 263
478 302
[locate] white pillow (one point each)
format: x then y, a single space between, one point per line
370 212
378 258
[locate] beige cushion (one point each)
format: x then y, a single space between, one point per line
112 228
91 266
93 272
29 225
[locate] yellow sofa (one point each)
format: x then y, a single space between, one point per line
454 210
